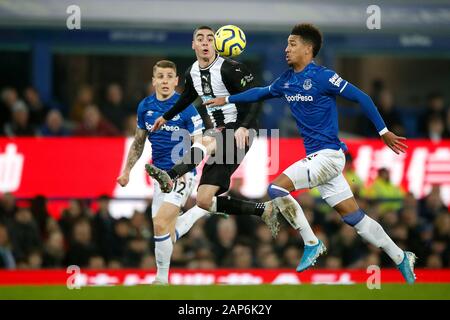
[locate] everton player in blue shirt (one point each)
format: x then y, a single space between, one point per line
168 225
311 92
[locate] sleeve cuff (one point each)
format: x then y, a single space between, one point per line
227 99
383 131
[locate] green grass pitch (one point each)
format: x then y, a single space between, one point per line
228 292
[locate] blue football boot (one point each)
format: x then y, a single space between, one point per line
310 255
406 267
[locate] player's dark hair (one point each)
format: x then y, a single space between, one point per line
202 28
165 64
309 34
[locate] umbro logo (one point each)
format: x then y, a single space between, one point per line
150 113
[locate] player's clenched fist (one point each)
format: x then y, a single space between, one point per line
158 124
123 179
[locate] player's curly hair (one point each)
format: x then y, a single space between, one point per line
309 33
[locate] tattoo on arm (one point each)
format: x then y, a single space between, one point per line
136 148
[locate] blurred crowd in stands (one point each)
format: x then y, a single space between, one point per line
87 235
109 114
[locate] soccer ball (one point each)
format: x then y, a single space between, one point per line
230 41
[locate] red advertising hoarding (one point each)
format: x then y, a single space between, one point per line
88 167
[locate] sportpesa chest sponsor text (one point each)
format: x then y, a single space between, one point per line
163 127
196 120
298 97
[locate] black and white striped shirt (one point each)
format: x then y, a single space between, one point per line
223 77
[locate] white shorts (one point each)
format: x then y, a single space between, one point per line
181 191
322 169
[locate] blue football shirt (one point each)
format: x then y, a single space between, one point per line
185 124
311 94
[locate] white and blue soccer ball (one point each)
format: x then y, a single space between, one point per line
230 41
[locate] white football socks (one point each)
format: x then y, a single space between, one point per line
186 221
297 219
163 252
373 232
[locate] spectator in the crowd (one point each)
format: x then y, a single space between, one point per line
20 125
270 261
148 262
25 234
36 107
389 113
103 227
263 234
245 223
226 237
431 205
435 107
8 207
40 213
9 97
179 259
54 125
196 238
355 182
34 259
447 124
382 189
84 98
291 257
76 210
410 219
130 126
442 234
240 257
115 109
434 261
94 124
141 226
333 262
134 253
54 251
121 236
7 260
435 128
261 250
349 247
377 87
81 247
96 262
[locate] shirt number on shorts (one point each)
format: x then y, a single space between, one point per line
179 186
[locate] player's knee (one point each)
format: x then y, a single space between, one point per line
160 225
204 201
353 218
275 191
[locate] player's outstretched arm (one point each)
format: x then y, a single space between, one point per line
134 154
393 141
251 95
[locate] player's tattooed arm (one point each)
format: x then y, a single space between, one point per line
135 152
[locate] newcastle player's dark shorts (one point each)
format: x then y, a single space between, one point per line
223 163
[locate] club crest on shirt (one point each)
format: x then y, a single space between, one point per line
307 84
